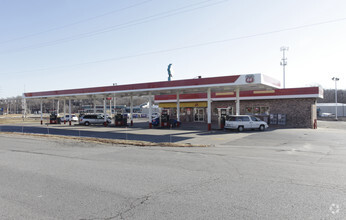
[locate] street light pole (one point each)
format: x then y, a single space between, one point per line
335 79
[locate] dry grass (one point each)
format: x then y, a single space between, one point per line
16 119
106 141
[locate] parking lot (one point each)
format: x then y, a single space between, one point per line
276 174
192 133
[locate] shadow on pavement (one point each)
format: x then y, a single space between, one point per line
96 134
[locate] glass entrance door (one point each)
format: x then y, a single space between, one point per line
199 114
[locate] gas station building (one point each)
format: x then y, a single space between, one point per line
294 107
206 100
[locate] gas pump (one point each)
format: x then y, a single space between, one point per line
53 119
164 119
120 119
222 115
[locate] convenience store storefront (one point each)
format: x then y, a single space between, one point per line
189 111
294 107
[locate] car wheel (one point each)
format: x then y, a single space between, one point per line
262 128
86 123
240 128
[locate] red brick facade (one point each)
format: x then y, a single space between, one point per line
299 112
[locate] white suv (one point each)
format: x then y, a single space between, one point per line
94 119
242 122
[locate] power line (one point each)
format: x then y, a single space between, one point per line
121 26
183 47
116 27
75 23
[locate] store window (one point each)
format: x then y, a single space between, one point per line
257 110
174 111
215 111
248 110
199 114
264 110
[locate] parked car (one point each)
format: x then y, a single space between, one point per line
155 115
67 117
325 114
93 119
242 122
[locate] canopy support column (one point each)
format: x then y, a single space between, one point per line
178 109
209 108
94 103
110 107
57 108
41 112
237 102
64 111
131 109
115 105
150 111
69 112
104 112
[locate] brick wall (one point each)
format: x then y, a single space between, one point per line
299 112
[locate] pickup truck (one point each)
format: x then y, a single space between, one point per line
242 122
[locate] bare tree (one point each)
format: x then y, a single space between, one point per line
329 96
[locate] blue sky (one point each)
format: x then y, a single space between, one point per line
52 45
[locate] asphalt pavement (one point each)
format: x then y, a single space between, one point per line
194 133
277 174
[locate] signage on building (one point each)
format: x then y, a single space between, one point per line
184 105
250 78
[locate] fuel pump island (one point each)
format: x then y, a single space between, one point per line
163 121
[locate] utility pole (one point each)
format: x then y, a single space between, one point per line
283 63
335 79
